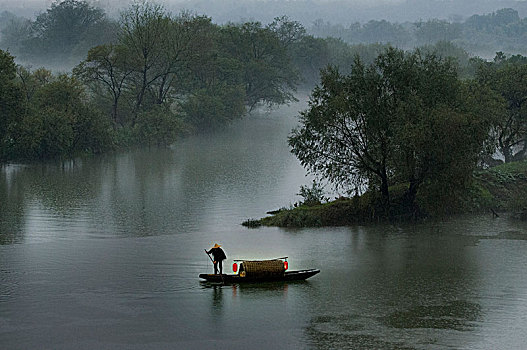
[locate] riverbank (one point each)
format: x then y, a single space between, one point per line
501 189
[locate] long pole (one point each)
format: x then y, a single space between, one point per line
208 255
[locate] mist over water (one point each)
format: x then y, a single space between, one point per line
105 253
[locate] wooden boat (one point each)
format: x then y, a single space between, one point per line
237 278
260 271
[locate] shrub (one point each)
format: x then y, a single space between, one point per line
313 195
158 126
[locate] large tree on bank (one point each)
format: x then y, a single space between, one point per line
508 78
406 118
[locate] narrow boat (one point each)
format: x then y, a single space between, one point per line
236 278
260 271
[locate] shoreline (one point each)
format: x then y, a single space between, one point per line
498 190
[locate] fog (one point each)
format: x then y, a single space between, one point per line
305 11
471 25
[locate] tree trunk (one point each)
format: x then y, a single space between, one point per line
507 154
410 196
139 100
115 118
385 194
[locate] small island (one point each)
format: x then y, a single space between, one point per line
407 138
496 190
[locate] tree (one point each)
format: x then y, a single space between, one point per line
158 126
491 22
435 30
30 81
144 28
214 106
58 30
345 133
106 65
58 121
406 118
310 55
10 98
15 34
190 52
268 75
287 31
508 77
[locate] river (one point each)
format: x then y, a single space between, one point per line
105 252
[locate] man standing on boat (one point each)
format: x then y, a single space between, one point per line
219 256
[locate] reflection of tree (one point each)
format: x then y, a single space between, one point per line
157 190
11 205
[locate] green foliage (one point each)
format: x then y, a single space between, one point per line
406 118
10 97
214 107
15 34
105 71
46 134
508 78
287 31
433 31
252 223
57 133
382 32
313 195
63 93
158 126
25 137
482 194
372 32
63 33
93 132
446 49
157 64
268 76
56 119
502 187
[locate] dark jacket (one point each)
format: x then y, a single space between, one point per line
218 254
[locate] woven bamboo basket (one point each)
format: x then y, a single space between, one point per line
262 268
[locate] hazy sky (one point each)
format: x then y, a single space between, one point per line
306 11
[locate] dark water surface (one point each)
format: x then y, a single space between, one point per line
104 253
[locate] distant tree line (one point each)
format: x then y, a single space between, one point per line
502 30
60 36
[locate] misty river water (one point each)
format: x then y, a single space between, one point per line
105 252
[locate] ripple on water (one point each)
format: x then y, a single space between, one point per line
346 332
457 315
8 284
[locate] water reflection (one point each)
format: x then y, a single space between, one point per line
11 205
204 182
217 299
121 241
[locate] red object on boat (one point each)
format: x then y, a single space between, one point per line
286 265
235 267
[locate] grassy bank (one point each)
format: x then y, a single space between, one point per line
500 189
503 187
